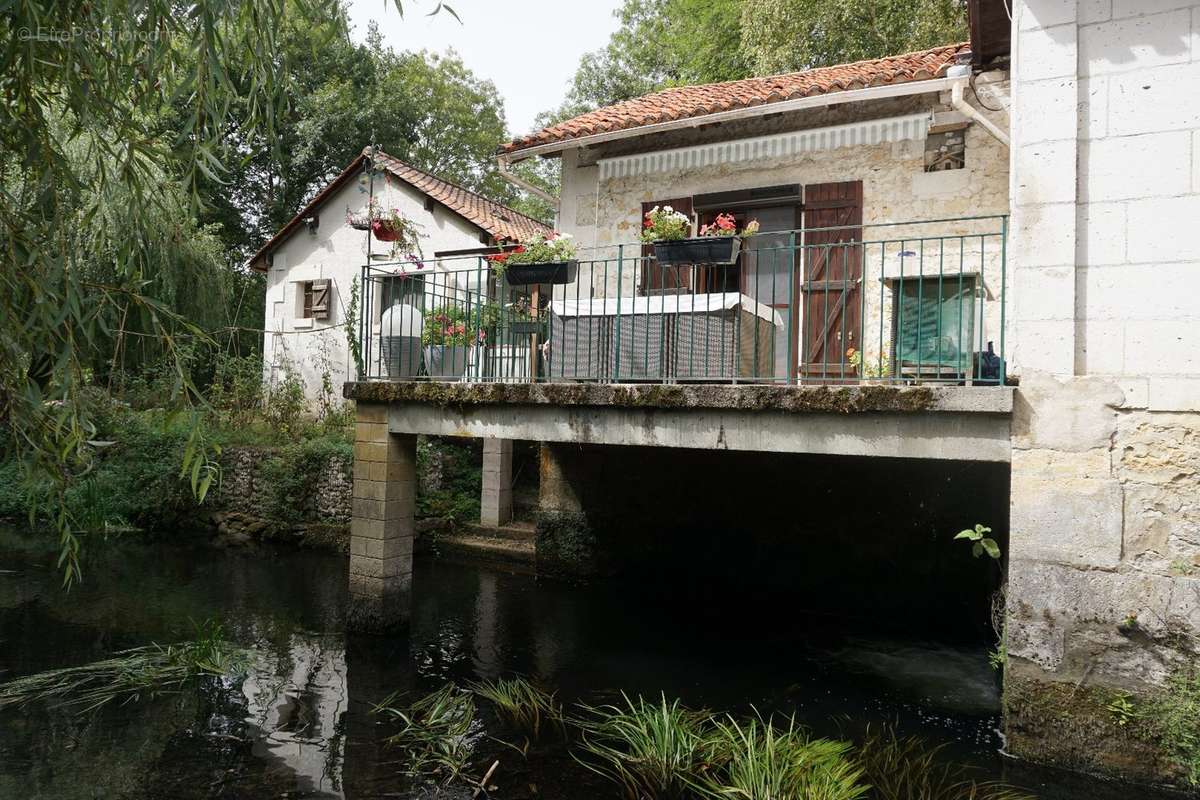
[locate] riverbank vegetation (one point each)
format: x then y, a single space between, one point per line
662 750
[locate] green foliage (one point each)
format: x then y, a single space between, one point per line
538 250
235 393
285 403
522 705
452 478
447 325
290 476
435 730
665 224
787 35
1176 712
1121 707
980 542
649 749
910 769
130 675
757 760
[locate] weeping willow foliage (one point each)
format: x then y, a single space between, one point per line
112 114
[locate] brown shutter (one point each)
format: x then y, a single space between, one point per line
320 299
832 285
656 279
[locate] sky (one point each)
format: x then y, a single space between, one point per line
528 48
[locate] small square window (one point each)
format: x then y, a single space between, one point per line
314 299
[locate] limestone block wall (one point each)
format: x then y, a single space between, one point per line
1104 587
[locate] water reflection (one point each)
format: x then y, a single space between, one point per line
299 724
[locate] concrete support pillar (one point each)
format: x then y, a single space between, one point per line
495 507
381 531
566 542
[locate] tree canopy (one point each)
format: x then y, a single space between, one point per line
663 43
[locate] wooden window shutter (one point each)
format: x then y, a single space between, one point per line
320 299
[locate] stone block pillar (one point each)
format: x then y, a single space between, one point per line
381 530
566 542
495 506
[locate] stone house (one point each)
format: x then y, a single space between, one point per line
314 260
881 154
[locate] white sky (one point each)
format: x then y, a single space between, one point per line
528 48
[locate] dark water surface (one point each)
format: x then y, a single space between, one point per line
298 726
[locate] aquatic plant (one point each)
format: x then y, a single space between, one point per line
522 705
651 750
435 731
130 675
757 760
909 769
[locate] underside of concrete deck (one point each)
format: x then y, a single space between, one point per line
956 423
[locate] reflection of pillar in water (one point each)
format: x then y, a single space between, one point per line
376 666
487 659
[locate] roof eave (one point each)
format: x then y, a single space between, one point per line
905 88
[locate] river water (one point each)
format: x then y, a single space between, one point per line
299 724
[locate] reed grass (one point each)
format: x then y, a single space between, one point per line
129 675
651 750
757 760
435 731
524 706
909 769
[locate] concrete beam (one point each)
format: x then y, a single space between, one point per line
954 435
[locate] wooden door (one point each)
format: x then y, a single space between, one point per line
657 279
831 310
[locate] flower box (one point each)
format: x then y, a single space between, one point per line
702 250
546 272
359 223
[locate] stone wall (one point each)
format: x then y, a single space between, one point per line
1104 588
243 500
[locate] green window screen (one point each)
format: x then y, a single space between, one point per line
935 325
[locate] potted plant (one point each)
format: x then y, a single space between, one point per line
403 234
873 368
542 259
446 340
718 242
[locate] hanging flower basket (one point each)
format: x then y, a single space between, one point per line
701 250
384 230
556 272
359 222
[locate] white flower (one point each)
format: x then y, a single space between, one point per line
667 209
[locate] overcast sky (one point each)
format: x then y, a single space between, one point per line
528 48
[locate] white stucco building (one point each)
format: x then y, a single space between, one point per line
313 262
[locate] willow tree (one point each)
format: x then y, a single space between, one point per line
95 165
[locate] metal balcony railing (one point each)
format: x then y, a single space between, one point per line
894 303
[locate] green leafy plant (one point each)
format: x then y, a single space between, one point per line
1121 707
910 769
1176 711
285 402
665 224
523 705
540 249
435 731
877 366
130 675
648 749
758 760
980 541
448 325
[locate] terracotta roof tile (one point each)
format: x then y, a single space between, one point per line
496 219
685 102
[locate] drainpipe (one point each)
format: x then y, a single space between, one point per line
959 103
503 162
